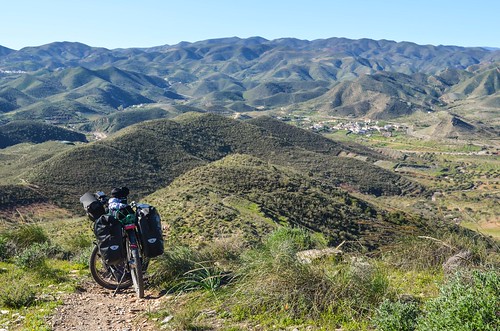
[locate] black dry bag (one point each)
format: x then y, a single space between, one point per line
92 206
150 230
109 234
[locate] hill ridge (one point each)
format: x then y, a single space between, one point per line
150 155
245 195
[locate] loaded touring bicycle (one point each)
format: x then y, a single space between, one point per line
125 241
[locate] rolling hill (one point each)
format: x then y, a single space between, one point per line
485 83
150 155
78 93
117 121
341 77
246 196
382 95
18 132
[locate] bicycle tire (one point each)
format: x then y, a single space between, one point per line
136 272
104 275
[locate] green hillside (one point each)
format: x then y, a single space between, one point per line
267 226
243 195
11 99
149 155
72 83
12 196
117 121
222 135
35 132
77 94
20 159
312 141
381 95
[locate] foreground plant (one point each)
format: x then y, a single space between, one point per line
467 302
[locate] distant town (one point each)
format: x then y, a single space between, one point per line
360 127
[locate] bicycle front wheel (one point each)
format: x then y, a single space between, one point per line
136 270
110 277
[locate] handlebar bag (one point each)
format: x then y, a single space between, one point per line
109 235
151 234
92 206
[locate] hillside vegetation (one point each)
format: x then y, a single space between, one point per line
18 132
148 156
75 83
330 184
243 195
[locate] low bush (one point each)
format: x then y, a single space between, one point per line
428 253
170 267
397 316
184 268
34 256
467 302
205 277
82 256
271 279
78 242
289 241
24 236
225 250
17 294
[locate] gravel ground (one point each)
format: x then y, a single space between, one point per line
94 308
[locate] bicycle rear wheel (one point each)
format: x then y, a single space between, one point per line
110 277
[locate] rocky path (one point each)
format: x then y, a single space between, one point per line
93 308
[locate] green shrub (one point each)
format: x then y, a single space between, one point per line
82 256
34 256
183 268
418 254
465 303
173 264
272 279
291 239
225 250
205 277
397 316
280 283
364 283
25 236
78 242
17 294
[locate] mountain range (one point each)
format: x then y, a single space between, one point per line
72 83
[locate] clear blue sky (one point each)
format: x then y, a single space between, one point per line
147 23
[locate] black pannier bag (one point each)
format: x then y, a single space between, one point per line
150 230
92 206
109 234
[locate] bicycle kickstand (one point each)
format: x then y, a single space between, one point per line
118 285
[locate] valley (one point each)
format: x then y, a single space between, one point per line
255 152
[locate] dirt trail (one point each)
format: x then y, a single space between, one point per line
93 308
